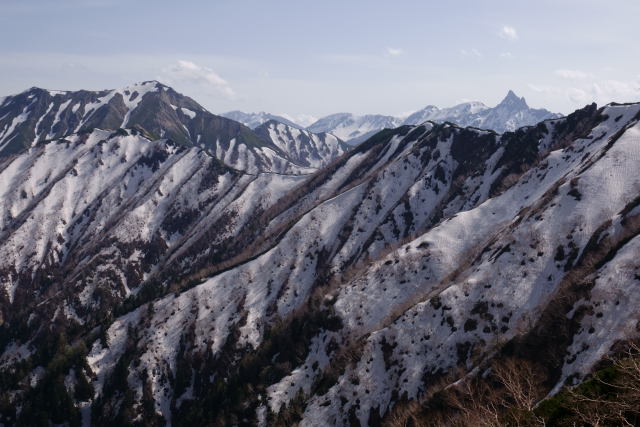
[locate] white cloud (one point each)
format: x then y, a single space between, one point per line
544 89
471 53
189 72
578 96
508 33
394 52
506 55
585 90
573 74
616 90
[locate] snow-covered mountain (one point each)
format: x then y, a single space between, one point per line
145 280
511 114
102 211
38 115
313 150
253 120
354 129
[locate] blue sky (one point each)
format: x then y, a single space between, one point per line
319 57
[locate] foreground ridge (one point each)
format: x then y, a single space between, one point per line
145 279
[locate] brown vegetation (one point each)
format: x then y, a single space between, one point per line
511 392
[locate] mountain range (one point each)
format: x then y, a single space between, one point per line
161 265
38 115
509 115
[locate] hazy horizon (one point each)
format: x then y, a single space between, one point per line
304 59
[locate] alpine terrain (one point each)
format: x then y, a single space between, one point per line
162 265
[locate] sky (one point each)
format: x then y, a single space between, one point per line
308 59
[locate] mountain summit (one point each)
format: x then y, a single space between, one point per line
513 102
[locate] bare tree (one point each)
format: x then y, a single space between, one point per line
506 396
476 404
621 404
522 382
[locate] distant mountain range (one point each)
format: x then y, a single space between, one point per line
509 115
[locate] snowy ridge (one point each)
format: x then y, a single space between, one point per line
151 198
56 113
313 150
253 120
425 336
417 278
354 129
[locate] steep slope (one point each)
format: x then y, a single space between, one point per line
353 129
304 148
253 120
458 260
399 300
37 115
530 261
88 219
81 290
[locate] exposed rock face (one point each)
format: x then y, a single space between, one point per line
331 297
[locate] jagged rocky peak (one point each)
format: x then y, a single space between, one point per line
512 101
